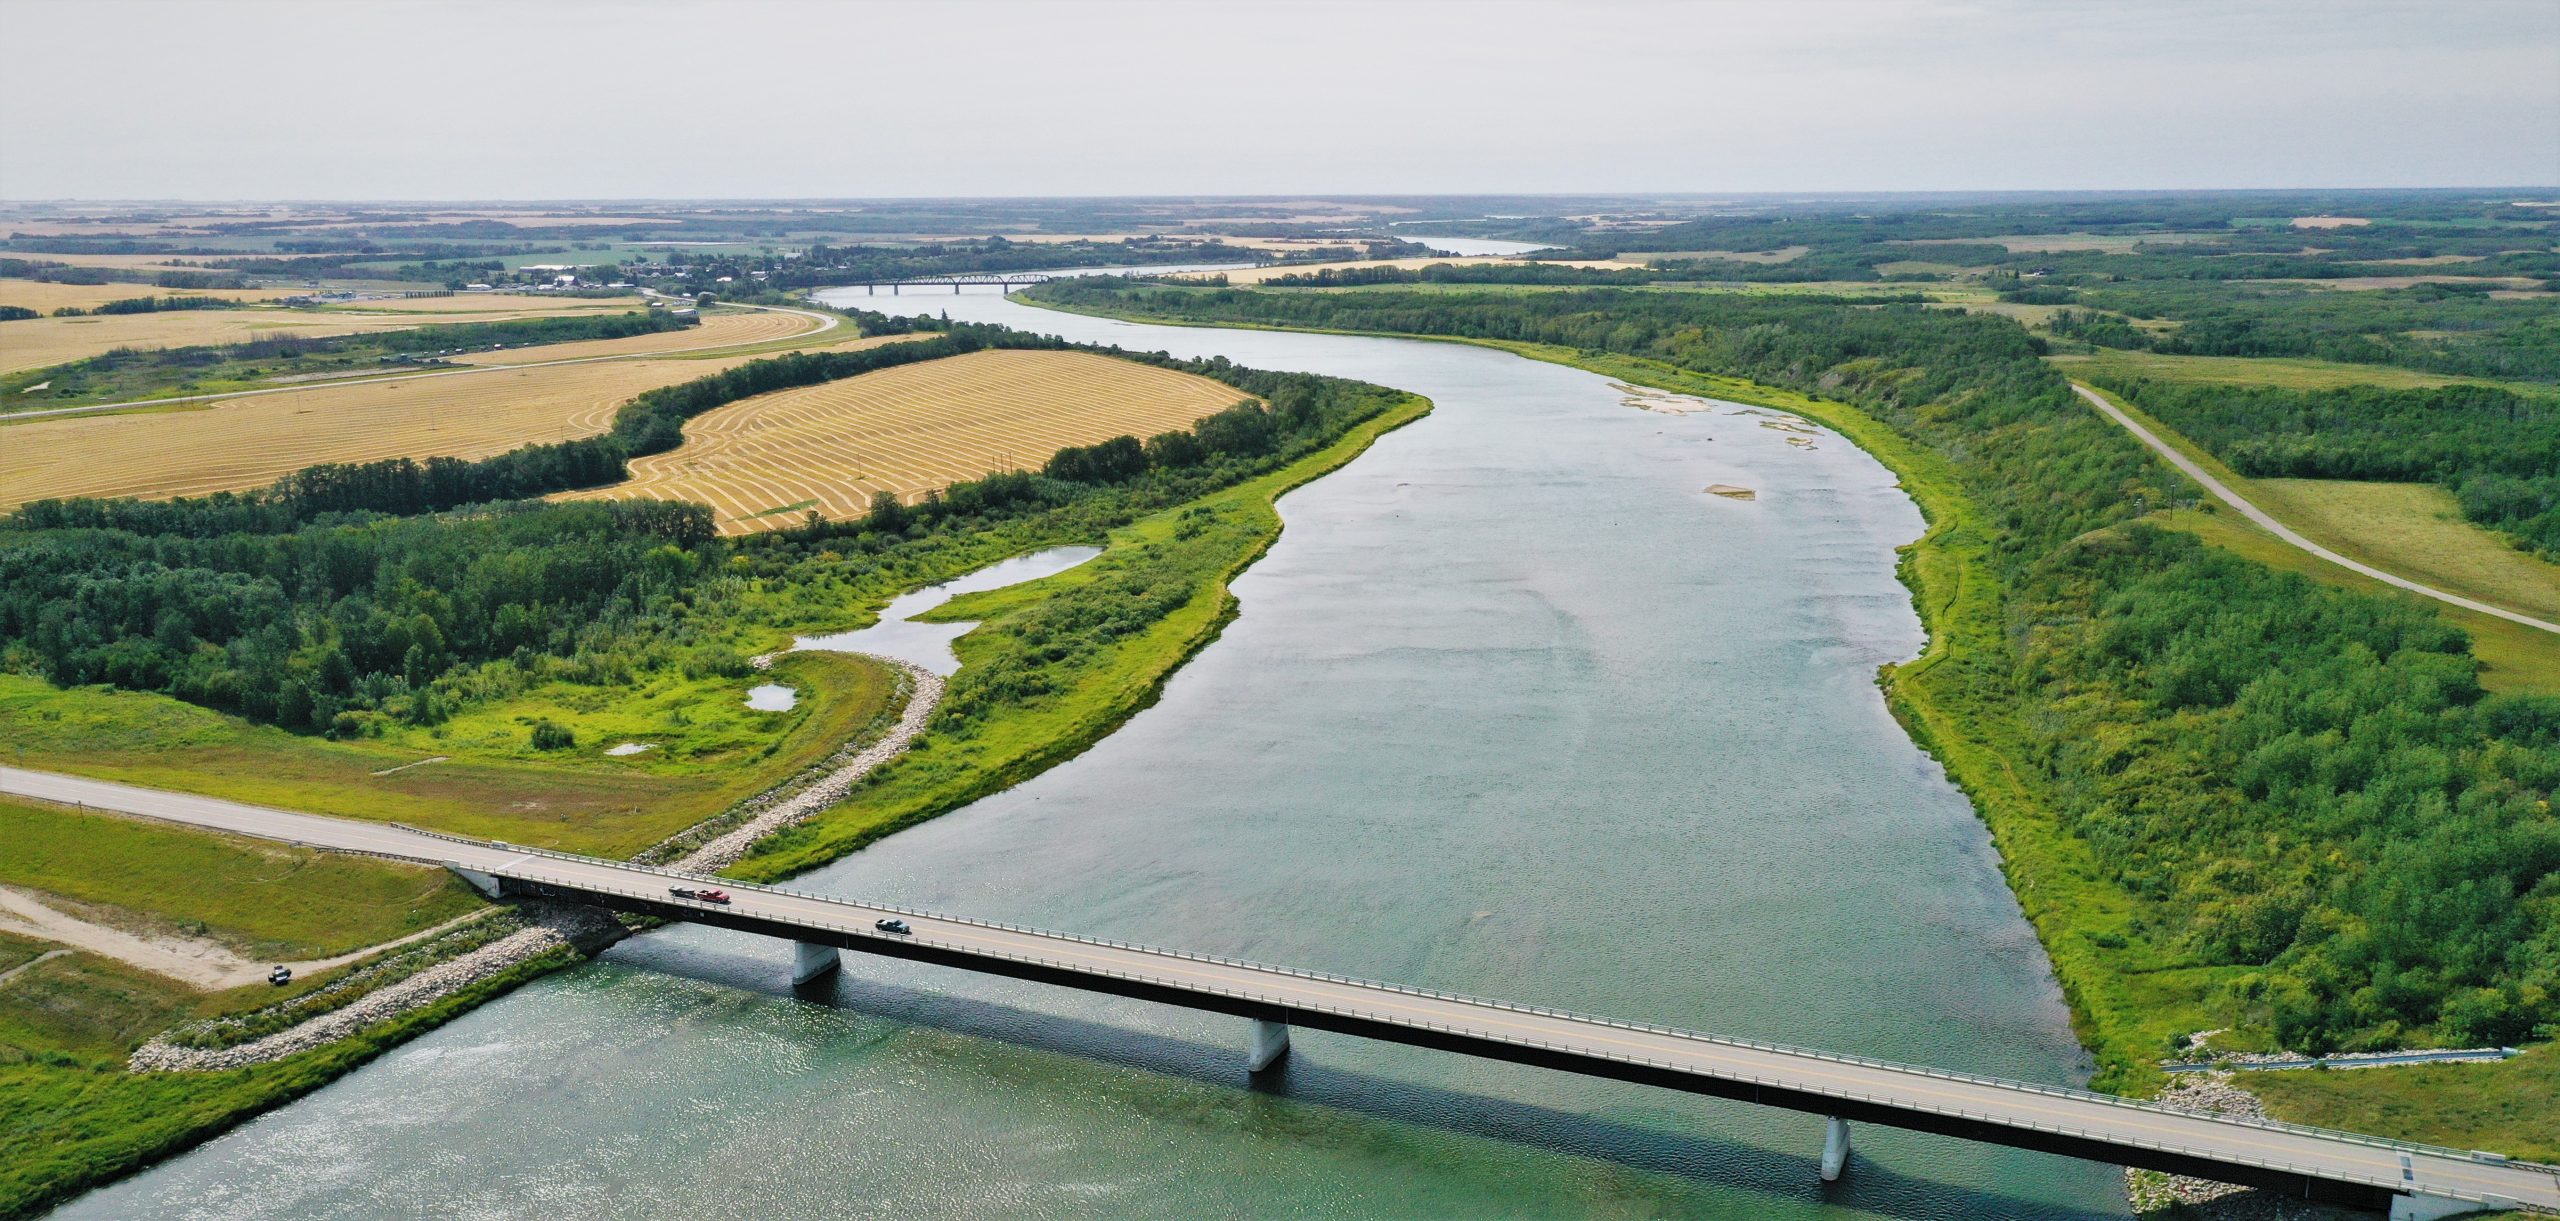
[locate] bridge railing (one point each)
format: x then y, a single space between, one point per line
2388 1179
2055 1091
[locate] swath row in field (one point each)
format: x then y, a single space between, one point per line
909 430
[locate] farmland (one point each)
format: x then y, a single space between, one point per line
44 296
909 430
38 342
717 330
250 442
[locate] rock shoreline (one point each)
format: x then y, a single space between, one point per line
565 924
2155 1194
555 925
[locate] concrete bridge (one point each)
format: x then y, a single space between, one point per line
1005 281
2411 1181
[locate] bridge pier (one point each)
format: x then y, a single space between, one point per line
1270 1042
1835 1148
810 961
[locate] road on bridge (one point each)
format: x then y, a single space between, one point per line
2136 1130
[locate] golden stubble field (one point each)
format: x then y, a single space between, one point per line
909 430
38 342
716 330
251 442
45 297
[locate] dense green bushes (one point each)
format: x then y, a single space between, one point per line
2456 329
2496 450
2302 787
2312 782
331 597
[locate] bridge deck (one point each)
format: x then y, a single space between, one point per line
2302 1161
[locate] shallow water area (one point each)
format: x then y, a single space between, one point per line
772 697
1514 708
929 644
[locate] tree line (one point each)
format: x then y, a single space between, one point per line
2496 450
350 594
2303 788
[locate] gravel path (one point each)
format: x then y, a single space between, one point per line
563 924
556 924
729 849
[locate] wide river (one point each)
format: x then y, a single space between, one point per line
1513 708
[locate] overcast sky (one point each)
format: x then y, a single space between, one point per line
552 99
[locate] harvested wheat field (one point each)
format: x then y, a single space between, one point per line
251 442
717 330
38 342
909 430
45 297
468 303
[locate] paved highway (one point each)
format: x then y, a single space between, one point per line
2026 1115
2222 491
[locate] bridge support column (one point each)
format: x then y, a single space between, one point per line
811 961
1270 1042
1835 1148
486 884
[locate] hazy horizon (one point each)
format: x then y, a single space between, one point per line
786 99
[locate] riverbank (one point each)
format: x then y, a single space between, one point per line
1180 559
2131 963
1221 532
1955 702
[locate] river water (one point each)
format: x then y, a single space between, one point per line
1513 708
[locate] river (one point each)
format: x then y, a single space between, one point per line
1513 708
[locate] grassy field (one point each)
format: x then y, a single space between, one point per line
1212 539
72 1117
2413 530
2290 372
266 900
2417 531
709 752
908 430
38 342
2513 657
2505 1107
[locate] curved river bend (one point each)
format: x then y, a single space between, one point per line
1513 708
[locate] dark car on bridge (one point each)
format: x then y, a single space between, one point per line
893 926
